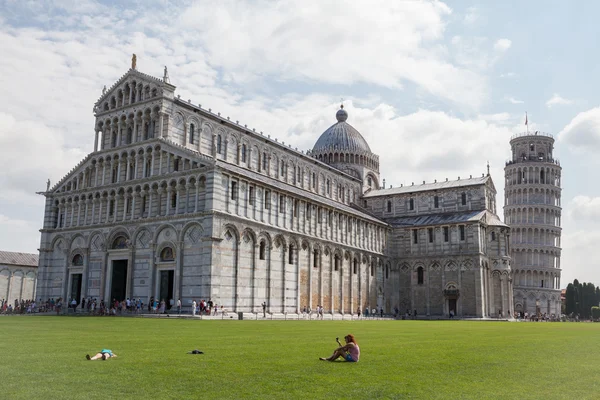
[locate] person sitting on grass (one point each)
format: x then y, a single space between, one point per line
349 352
104 354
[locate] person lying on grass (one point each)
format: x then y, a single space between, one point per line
104 354
349 352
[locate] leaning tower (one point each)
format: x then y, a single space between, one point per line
532 209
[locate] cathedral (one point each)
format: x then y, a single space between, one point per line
179 202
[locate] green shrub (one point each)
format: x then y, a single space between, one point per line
596 313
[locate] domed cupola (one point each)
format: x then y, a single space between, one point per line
341 137
344 148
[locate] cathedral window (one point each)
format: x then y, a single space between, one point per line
336 263
319 216
264 161
219 144
114 140
296 206
389 206
267 199
144 199
493 236
446 234
251 195
387 272
282 172
77 260
261 250
420 276
411 204
316 258
281 203
176 164
120 242
531 147
415 236
114 174
436 202
243 153
167 254
128 208
192 133
430 234
291 254
355 267
111 208
308 211
370 182
173 199
461 228
463 199
234 191
328 184
314 181
330 219
148 168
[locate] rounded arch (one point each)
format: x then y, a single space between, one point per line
162 228
248 233
115 233
279 240
58 242
187 232
233 230
142 237
163 248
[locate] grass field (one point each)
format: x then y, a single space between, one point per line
44 358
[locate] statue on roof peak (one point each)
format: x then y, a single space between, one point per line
133 61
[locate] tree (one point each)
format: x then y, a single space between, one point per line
596 313
581 297
570 299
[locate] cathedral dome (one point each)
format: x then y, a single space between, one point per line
341 137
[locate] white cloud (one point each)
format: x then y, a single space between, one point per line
18 235
514 101
471 16
557 100
583 132
508 75
584 208
579 256
502 45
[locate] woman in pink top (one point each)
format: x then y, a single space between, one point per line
349 352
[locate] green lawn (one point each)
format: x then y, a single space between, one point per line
44 358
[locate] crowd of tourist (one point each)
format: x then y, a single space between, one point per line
19 307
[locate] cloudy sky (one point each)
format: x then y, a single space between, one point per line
437 89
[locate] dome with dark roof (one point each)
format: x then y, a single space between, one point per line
341 137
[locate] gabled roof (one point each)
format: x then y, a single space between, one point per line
139 75
162 141
300 193
430 186
19 259
483 216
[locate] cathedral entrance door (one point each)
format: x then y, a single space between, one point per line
75 288
118 287
166 286
452 306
